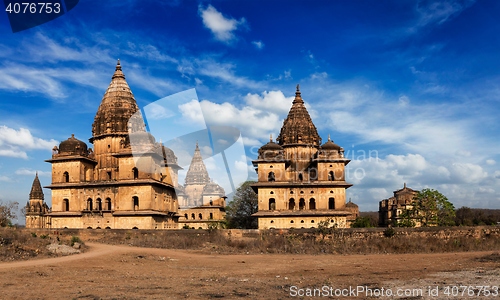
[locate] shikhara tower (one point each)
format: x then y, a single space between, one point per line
301 181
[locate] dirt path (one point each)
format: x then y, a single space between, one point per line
123 272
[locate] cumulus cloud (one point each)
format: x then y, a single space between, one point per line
253 122
222 27
274 101
15 143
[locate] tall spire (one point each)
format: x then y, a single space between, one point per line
197 173
36 189
298 97
118 105
298 127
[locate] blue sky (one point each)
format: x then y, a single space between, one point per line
410 89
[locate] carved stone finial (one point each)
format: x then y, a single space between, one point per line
329 138
271 137
298 87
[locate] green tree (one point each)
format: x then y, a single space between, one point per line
362 222
407 218
433 208
8 213
239 211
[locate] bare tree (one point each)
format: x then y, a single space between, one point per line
8 213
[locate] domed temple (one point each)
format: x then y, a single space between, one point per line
301 182
127 181
202 201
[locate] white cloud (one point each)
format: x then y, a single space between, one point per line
438 12
258 44
491 162
253 122
274 101
157 112
5 179
15 143
222 27
30 172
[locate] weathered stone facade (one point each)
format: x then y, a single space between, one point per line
127 181
390 209
300 181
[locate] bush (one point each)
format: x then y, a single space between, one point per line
389 232
75 239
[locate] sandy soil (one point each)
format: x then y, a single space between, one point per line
123 272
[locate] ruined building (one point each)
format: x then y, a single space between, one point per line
300 181
390 209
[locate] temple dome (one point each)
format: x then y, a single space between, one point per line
117 107
73 146
330 145
298 127
213 188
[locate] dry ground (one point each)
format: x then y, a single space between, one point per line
124 272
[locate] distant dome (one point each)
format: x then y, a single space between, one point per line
351 205
169 155
270 149
141 138
73 146
271 146
330 146
213 188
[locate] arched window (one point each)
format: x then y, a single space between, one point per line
65 205
211 203
211 216
200 216
291 204
331 203
98 204
312 203
313 175
186 216
270 176
108 204
272 204
331 176
66 177
135 172
300 177
89 204
302 203
193 217
136 202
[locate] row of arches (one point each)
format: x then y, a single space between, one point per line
312 176
135 175
292 205
200 216
99 205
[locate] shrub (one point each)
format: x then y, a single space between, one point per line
75 239
389 232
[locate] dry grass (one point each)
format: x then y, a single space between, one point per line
22 244
16 244
302 242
